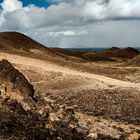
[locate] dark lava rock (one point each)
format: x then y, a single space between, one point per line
9 74
18 121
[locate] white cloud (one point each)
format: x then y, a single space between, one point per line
67 33
70 21
11 5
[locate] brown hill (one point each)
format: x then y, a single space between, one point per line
17 41
110 55
14 42
135 61
125 53
114 49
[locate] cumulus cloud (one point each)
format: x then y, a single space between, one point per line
66 22
11 5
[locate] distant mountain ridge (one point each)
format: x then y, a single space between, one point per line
14 42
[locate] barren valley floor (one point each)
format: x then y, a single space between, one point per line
113 101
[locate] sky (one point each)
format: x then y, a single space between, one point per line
74 23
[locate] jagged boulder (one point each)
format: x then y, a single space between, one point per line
13 80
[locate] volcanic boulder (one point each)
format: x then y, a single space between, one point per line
13 80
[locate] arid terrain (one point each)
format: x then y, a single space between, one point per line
91 96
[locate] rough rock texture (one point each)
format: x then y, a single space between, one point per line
21 117
10 75
117 104
16 123
24 118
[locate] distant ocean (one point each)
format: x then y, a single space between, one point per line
92 49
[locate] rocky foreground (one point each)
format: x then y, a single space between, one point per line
26 116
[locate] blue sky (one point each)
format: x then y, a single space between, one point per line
39 3
74 23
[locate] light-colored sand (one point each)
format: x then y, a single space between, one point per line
47 76
47 66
